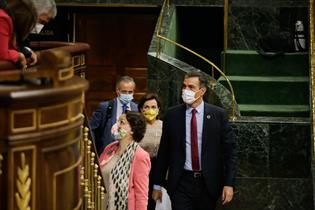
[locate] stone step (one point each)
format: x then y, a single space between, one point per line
274 110
250 63
269 90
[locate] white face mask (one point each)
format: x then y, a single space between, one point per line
37 29
188 96
118 133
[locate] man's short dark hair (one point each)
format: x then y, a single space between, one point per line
126 79
201 76
138 125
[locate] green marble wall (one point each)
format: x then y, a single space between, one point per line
274 164
273 154
170 49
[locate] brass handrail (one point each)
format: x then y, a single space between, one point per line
158 35
312 62
225 24
91 181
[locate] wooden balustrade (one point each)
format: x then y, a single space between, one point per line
43 144
92 184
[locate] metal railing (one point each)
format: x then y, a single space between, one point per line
166 4
91 181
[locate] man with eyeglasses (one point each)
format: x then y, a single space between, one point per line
108 112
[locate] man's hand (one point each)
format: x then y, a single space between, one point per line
33 58
227 194
157 195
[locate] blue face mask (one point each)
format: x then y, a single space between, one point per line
125 98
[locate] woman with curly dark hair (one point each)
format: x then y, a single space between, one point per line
125 165
17 19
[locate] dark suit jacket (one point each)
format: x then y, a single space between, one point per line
218 149
98 122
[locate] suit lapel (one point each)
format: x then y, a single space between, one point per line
114 113
133 107
207 121
182 127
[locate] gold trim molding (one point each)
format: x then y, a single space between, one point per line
1 158
73 112
23 129
58 173
23 184
225 25
22 195
65 74
52 124
76 61
72 115
82 60
79 205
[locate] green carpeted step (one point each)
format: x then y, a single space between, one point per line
269 90
250 63
274 110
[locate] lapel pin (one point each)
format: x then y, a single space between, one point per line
208 116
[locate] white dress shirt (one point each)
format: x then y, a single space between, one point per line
199 118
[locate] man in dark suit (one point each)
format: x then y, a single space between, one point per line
108 112
197 149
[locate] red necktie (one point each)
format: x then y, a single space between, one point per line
194 142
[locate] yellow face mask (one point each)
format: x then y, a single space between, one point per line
151 114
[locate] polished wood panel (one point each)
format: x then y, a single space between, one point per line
44 160
9 71
119 40
40 131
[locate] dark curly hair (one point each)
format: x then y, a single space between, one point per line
148 97
137 123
